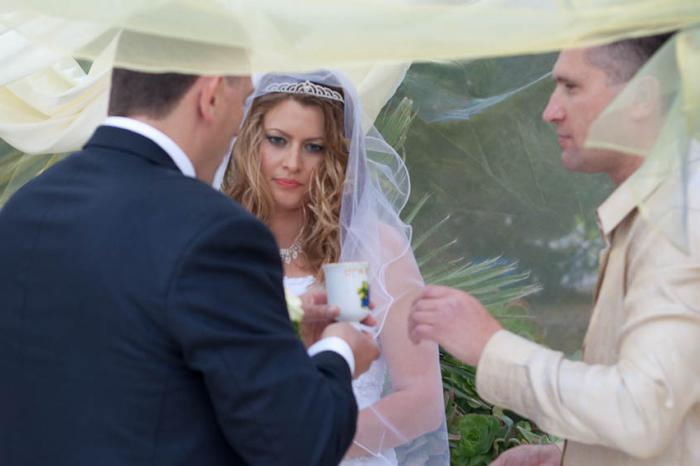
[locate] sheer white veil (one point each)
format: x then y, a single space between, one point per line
376 189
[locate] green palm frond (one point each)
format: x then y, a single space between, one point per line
411 215
420 239
17 168
496 282
394 123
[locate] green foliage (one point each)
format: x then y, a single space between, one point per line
463 402
477 433
17 168
394 124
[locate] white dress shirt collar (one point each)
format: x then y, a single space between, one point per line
168 145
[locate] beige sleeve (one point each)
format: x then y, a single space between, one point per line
635 405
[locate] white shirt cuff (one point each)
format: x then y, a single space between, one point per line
337 345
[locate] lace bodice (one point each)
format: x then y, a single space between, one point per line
367 388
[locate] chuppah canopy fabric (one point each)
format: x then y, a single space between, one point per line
479 81
239 37
39 39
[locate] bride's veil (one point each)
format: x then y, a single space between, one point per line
376 189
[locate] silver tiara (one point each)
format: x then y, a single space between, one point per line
306 87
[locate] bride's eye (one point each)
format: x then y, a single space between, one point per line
314 148
275 140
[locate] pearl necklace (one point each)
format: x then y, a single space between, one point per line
292 252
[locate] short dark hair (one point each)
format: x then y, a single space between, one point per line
149 94
622 59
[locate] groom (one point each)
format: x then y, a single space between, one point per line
143 319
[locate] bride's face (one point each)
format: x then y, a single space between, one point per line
293 146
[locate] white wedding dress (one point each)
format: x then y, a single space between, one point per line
367 388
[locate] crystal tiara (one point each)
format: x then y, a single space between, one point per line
306 87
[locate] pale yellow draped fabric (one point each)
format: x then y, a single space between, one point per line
290 36
49 105
57 109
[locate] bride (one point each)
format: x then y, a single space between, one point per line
330 192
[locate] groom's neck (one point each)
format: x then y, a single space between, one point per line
184 133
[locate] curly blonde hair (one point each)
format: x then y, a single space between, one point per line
245 183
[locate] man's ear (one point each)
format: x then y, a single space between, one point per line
647 98
208 96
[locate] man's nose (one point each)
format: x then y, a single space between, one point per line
553 112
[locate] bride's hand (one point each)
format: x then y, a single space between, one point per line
317 316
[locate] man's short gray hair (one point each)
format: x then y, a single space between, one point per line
622 59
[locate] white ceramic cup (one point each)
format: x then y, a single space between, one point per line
347 286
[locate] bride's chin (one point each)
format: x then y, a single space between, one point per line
288 206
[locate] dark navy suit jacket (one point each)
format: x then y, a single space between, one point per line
142 322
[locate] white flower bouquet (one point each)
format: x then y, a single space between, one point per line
296 312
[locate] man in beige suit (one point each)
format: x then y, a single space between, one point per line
635 397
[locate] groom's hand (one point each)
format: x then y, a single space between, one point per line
454 319
364 348
317 316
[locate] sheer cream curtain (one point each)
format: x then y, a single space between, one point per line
49 104
370 41
275 35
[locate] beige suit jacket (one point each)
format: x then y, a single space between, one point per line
634 399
